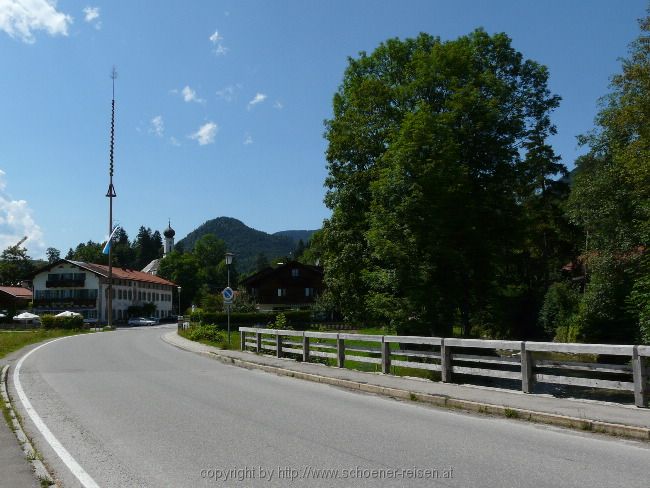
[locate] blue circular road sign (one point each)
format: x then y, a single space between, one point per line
228 294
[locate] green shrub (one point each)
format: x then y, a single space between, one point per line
558 313
204 333
280 322
52 322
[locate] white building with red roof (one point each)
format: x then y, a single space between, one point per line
83 288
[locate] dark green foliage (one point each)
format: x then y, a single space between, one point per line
182 269
640 297
441 187
123 252
296 235
90 252
147 247
299 250
52 322
610 201
15 265
52 254
558 314
210 257
201 273
313 252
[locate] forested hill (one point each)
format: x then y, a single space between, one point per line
245 242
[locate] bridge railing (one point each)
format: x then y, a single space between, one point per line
598 366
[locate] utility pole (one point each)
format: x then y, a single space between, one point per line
111 194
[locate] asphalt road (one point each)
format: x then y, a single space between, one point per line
132 410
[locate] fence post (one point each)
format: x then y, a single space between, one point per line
340 352
242 340
258 340
640 372
278 345
305 349
385 356
445 362
527 364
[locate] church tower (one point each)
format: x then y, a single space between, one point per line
169 239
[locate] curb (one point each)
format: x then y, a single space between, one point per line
40 471
585 425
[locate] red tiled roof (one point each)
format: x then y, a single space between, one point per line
17 291
124 274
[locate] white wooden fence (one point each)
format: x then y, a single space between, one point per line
513 360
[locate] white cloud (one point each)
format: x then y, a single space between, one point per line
157 126
91 13
258 98
229 92
215 39
16 221
278 105
205 134
248 140
189 95
20 18
174 142
221 50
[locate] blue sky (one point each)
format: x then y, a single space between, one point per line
220 104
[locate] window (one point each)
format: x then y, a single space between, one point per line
282 292
309 292
295 272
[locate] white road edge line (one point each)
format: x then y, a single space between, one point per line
84 478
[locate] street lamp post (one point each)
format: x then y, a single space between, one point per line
229 256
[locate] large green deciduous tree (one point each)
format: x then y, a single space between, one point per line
434 150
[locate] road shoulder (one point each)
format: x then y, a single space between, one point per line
19 463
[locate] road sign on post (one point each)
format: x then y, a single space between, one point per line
228 295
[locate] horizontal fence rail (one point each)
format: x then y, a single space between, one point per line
526 362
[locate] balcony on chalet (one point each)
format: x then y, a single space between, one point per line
65 280
65 283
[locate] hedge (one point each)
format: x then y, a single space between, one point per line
296 319
53 322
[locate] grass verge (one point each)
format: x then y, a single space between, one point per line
221 339
12 340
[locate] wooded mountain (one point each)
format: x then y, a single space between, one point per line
246 243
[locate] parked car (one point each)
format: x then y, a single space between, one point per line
141 321
154 320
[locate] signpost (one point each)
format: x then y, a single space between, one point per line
228 296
